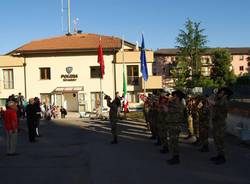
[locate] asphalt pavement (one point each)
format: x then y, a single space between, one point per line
75 150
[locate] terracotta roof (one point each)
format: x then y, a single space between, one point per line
70 43
173 52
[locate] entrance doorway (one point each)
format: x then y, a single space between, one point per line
71 102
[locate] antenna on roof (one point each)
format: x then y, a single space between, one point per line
76 20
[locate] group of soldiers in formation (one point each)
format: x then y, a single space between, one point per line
168 114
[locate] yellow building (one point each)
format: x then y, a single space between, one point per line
64 70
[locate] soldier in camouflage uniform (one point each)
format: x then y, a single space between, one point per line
113 116
195 118
150 118
156 116
162 126
220 109
203 110
175 120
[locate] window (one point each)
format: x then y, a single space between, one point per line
95 72
241 68
241 58
45 74
45 98
133 97
132 75
8 79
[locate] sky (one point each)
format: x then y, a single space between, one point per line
226 22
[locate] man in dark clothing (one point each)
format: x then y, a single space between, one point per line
37 109
113 116
30 110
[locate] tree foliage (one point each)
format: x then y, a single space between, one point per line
221 72
192 44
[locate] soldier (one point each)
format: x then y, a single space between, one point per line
174 120
220 109
195 118
113 116
163 130
203 110
150 117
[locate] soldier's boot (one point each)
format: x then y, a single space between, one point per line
158 143
220 160
114 140
174 160
164 150
204 148
196 142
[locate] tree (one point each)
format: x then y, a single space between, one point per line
221 72
192 44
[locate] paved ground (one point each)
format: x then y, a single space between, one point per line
78 151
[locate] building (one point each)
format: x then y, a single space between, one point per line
64 70
165 59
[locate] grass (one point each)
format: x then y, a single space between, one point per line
135 115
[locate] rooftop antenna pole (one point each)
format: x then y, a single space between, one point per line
68 16
62 11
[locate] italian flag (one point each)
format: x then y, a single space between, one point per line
125 96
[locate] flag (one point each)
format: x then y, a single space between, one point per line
125 96
100 59
144 68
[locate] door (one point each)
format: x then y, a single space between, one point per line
71 102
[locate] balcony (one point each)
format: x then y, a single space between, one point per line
153 82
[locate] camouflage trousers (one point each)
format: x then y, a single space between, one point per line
174 132
163 134
219 126
203 133
152 123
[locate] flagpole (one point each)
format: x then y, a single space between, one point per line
101 95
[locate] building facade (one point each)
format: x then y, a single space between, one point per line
64 71
165 59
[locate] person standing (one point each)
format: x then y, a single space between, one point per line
175 120
113 116
37 109
203 110
30 112
219 115
11 127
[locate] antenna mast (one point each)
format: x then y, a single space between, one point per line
68 16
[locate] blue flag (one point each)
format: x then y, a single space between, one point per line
144 68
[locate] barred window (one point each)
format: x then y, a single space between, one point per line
133 75
95 72
45 74
8 79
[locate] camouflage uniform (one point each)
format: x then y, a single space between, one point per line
195 118
204 112
220 109
113 117
151 118
146 112
174 122
162 127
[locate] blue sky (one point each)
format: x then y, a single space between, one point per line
226 22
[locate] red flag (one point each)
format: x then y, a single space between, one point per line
100 59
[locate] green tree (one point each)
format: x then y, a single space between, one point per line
192 44
221 72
